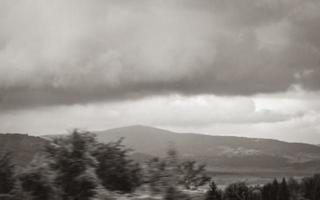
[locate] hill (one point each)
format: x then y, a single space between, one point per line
22 147
219 152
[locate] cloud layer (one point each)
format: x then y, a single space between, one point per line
291 116
69 52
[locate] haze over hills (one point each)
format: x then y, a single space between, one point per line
225 152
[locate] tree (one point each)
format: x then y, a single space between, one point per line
267 190
213 193
154 174
38 181
70 158
294 189
255 193
18 193
7 174
283 191
170 172
192 174
275 190
311 187
237 191
115 169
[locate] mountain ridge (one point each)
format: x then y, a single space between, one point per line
203 134
230 153
221 151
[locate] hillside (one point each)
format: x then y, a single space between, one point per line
225 152
22 147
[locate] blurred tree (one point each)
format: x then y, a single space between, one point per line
237 191
267 192
192 175
275 190
311 187
18 193
38 181
70 158
170 172
255 193
115 169
294 189
283 191
213 193
154 174
7 174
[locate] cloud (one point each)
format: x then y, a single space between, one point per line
173 110
291 116
70 52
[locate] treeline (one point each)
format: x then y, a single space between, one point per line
78 167
307 189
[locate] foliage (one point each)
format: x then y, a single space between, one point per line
270 191
170 172
283 191
193 175
294 189
311 187
37 180
7 174
77 167
71 160
237 191
115 170
213 193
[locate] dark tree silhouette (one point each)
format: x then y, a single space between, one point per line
267 192
311 187
74 166
115 169
283 191
237 191
171 172
213 193
193 175
7 174
294 189
38 181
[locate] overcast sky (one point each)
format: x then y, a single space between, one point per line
246 68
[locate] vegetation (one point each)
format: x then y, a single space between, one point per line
77 167
7 176
213 193
114 169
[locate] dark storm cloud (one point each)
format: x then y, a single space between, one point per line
68 52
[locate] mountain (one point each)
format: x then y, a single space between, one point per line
21 146
219 152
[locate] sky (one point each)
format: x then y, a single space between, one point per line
222 67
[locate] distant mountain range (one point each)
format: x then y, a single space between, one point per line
220 153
